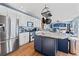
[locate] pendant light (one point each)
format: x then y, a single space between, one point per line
45 12
46 15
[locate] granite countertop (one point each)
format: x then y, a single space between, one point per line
73 38
56 35
52 34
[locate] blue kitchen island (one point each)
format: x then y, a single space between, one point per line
49 43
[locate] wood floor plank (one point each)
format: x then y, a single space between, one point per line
28 50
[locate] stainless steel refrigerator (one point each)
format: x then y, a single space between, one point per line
9 37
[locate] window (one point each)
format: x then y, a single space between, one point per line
59 25
29 24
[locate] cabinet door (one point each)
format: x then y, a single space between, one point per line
12 16
26 37
22 20
14 44
3 10
77 46
49 46
38 43
63 45
3 50
21 39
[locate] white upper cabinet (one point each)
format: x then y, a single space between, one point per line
3 10
22 19
36 22
12 21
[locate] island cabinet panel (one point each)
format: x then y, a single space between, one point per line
63 45
38 43
49 46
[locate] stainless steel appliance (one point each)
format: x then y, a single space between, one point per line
3 50
9 37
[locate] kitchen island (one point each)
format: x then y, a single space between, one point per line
49 43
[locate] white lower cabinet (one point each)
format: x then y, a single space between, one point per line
14 44
11 44
26 37
23 38
7 46
77 45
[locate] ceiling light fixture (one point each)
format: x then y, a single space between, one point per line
46 15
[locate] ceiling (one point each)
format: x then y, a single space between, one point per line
60 11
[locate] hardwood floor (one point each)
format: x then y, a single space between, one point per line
28 50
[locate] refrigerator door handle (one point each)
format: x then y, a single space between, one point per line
3 29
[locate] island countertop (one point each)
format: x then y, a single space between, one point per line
52 34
